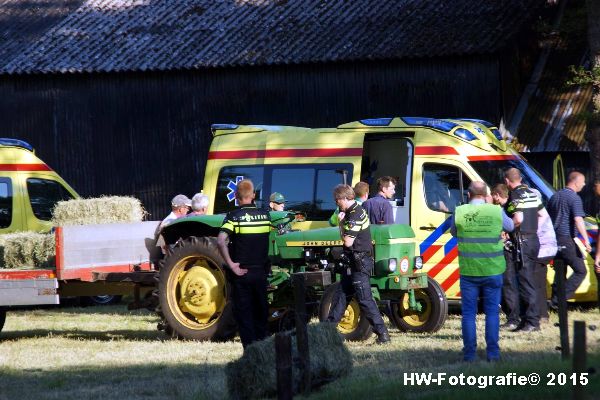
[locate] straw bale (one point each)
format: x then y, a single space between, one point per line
254 374
27 249
101 210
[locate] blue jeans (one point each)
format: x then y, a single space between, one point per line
490 289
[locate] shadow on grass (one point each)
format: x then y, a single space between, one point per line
157 381
77 334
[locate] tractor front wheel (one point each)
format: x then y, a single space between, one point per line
432 314
353 326
193 292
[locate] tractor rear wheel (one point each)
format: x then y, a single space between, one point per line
434 309
353 326
193 292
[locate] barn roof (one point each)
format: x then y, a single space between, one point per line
58 36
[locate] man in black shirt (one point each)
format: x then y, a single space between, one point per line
244 244
356 236
525 208
566 209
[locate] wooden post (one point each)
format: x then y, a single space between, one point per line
563 321
301 331
579 358
283 363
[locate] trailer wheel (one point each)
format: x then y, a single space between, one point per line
2 318
434 310
353 326
193 292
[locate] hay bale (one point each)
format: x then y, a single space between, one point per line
101 210
254 374
27 249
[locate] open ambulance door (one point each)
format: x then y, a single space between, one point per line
558 173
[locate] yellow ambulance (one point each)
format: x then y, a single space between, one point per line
29 189
433 161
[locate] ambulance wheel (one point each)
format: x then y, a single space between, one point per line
353 326
434 309
2 319
193 292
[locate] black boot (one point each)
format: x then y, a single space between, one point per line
383 337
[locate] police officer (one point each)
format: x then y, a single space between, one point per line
244 244
527 211
356 236
478 227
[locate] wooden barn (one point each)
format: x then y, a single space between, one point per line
118 95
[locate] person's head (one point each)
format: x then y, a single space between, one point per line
477 190
512 178
277 201
199 204
386 186
180 205
500 194
576 181
343 196
245 192
361 191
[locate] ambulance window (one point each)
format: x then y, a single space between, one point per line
293 184
444 186
5 202
226 185
43 196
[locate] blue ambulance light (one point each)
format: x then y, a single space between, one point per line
439 124
224 126
478 121
376 121
15 143
464 134
497 133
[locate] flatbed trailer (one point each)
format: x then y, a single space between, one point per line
90 260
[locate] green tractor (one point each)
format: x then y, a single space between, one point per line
194 294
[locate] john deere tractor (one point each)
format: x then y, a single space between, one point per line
194 296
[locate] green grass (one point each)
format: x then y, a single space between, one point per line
109 352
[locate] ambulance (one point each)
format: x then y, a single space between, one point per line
432 160
29 189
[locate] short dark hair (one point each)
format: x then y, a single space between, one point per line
384 182
500 189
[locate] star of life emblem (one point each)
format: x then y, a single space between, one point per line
232 186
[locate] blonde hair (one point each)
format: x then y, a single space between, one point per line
361 189
343 192
245 189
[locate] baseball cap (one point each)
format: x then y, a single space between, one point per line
181 200
277 197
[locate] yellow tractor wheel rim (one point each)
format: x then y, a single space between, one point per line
196 292
412 317
349 321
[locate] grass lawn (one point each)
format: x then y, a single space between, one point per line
109 352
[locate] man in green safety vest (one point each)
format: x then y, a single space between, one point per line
478 227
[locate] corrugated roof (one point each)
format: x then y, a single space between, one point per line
555 117
119 35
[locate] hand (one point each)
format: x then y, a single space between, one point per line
597 266
588 247
341 215
235 268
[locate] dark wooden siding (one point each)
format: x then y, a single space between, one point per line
147 134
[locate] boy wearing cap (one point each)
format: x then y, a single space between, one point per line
277 202
180 205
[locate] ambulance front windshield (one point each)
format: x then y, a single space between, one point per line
492 172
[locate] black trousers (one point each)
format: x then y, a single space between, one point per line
250 304
572 257
357 284
527 273
541 273
510 290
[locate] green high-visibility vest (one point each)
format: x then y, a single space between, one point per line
480 249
